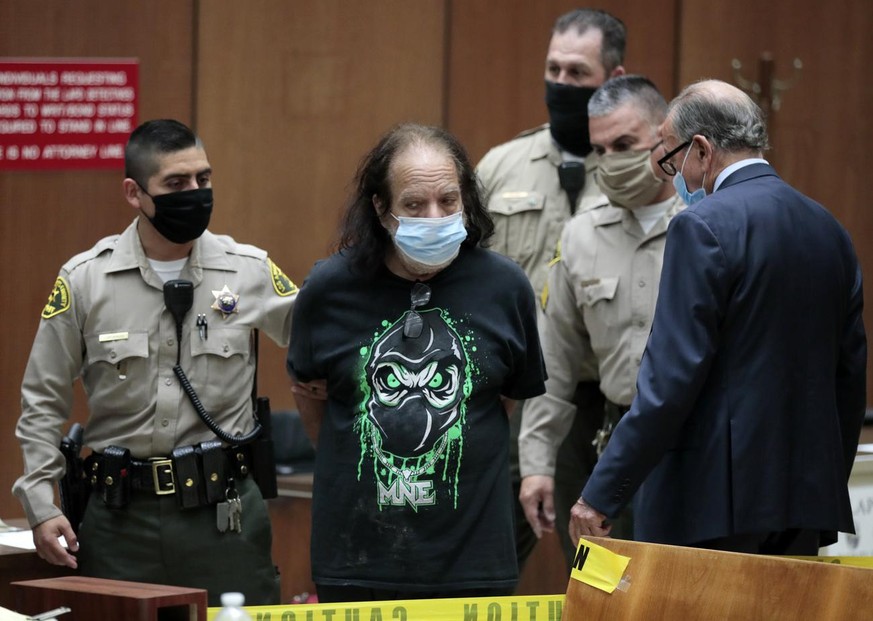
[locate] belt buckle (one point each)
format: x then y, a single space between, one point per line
162 475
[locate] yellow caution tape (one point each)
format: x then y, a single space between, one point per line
522 608
598 567
853 561
594 565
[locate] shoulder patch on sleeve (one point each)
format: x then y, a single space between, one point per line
59 299
281 283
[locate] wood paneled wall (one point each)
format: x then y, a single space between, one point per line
289 94
822 132
47 217
497 55
290 97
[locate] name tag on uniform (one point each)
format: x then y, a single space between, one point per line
112 336
515 194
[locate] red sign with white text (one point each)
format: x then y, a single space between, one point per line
66 114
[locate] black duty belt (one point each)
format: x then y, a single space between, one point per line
198 473
613 412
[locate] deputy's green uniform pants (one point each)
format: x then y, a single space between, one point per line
153 540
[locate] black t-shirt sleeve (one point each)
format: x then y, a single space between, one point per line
527 378
300 361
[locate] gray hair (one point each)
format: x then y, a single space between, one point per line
362 232
724 114
636 89
613 29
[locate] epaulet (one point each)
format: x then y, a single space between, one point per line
282 285
532 131
245 250
60 299
593 205
107 244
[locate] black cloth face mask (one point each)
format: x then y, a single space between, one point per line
568 116
182 216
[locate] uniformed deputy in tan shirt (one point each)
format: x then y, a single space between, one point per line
603 287
602 292
526 200
106 323
522 186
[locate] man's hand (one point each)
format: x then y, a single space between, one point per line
45 537
316 389
509 405
585 520
537 497
311 399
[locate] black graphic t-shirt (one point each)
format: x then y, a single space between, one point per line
411 488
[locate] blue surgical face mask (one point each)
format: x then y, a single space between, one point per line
689 198
430 241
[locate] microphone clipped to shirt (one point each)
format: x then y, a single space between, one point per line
571 175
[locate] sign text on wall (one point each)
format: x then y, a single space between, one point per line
62 114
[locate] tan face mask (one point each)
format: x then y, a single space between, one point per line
627 179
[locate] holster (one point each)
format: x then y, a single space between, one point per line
263 456
73 487
115 472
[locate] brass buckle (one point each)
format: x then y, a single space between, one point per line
162 475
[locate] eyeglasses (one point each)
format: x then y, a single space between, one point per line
668 166
413 323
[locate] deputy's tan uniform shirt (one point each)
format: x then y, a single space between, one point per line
106 322
601 300
524 195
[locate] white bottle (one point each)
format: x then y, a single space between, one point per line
231 608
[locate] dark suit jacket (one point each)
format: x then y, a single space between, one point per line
751 391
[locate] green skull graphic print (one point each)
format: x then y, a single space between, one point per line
411 420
